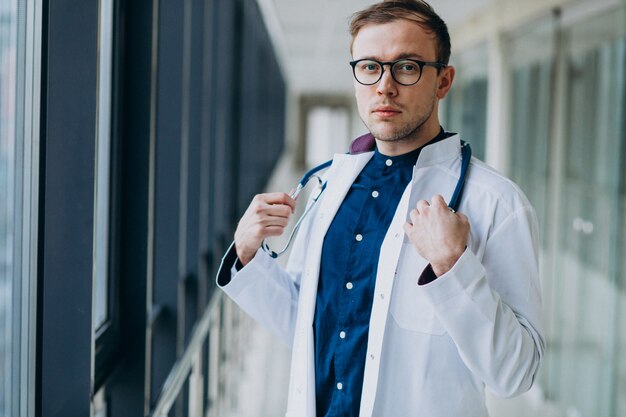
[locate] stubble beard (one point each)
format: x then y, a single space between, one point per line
407 132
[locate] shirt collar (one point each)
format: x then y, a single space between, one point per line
362 149
409 158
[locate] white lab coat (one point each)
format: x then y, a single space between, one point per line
432 349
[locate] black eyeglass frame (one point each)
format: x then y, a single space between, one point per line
420 64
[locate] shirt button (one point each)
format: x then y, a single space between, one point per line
388 162
349 285
342 334
339 386
359 237
375 194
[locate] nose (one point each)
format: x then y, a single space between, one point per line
386 85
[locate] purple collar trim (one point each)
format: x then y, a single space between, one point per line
362 144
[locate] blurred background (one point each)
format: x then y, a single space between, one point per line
133 134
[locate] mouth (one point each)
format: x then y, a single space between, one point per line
386 111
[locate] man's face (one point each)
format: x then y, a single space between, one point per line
393 112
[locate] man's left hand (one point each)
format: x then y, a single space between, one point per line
438 234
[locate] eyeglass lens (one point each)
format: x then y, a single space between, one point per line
404 72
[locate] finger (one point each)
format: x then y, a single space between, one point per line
274 230
414 214
296 196
408 227
262 209
438 201
278 198
422 206
276 210
274 221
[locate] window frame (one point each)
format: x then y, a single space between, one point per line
107 336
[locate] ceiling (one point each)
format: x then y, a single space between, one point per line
311 38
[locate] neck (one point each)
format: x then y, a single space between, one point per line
409 143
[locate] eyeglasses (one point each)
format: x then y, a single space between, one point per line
403 71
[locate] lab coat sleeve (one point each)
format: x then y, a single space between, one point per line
491 308
264 290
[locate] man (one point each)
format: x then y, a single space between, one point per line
395 305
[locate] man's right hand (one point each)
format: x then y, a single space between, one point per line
267 215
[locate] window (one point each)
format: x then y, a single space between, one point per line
466 103
531 105
19 122
103 165
8 217
105 314
589 239
326 134
567 133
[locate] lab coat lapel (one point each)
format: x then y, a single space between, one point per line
343 172
386 274
387 267
341 175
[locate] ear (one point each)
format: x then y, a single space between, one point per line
446 77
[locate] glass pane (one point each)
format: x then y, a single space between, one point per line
327 133
587 259
531 105
9 359
620 388
99 405
103 165
466 103
619 391
530 129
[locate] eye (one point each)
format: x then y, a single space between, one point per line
369 66
406 67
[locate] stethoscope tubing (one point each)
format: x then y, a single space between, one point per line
301 184
466 156
453 205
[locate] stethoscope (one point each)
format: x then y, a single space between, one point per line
453 205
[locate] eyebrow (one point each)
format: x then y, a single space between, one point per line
399 56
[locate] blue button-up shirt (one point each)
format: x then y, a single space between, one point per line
347 278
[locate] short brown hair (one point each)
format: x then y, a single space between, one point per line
414 10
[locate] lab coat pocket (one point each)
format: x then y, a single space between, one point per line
409 307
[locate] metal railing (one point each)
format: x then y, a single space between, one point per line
219 330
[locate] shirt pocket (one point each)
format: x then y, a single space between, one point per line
409 307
